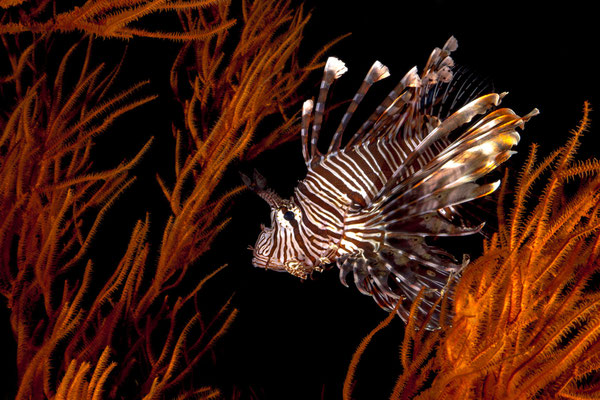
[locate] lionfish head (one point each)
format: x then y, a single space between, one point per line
276 247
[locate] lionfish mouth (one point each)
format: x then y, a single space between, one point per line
267 263
297 268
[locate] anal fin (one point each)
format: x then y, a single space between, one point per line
390 276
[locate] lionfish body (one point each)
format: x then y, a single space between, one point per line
368 206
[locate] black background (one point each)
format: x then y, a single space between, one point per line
294 339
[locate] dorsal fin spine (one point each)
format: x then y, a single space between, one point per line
377 72
334 68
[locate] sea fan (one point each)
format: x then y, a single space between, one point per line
125 331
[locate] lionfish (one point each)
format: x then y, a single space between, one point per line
404 176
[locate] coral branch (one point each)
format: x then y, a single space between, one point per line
86 329
526 312
104 18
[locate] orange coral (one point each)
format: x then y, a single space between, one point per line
78 335
104 18
526 312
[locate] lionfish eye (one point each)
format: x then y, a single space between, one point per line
289 215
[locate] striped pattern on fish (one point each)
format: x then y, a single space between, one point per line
368 206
